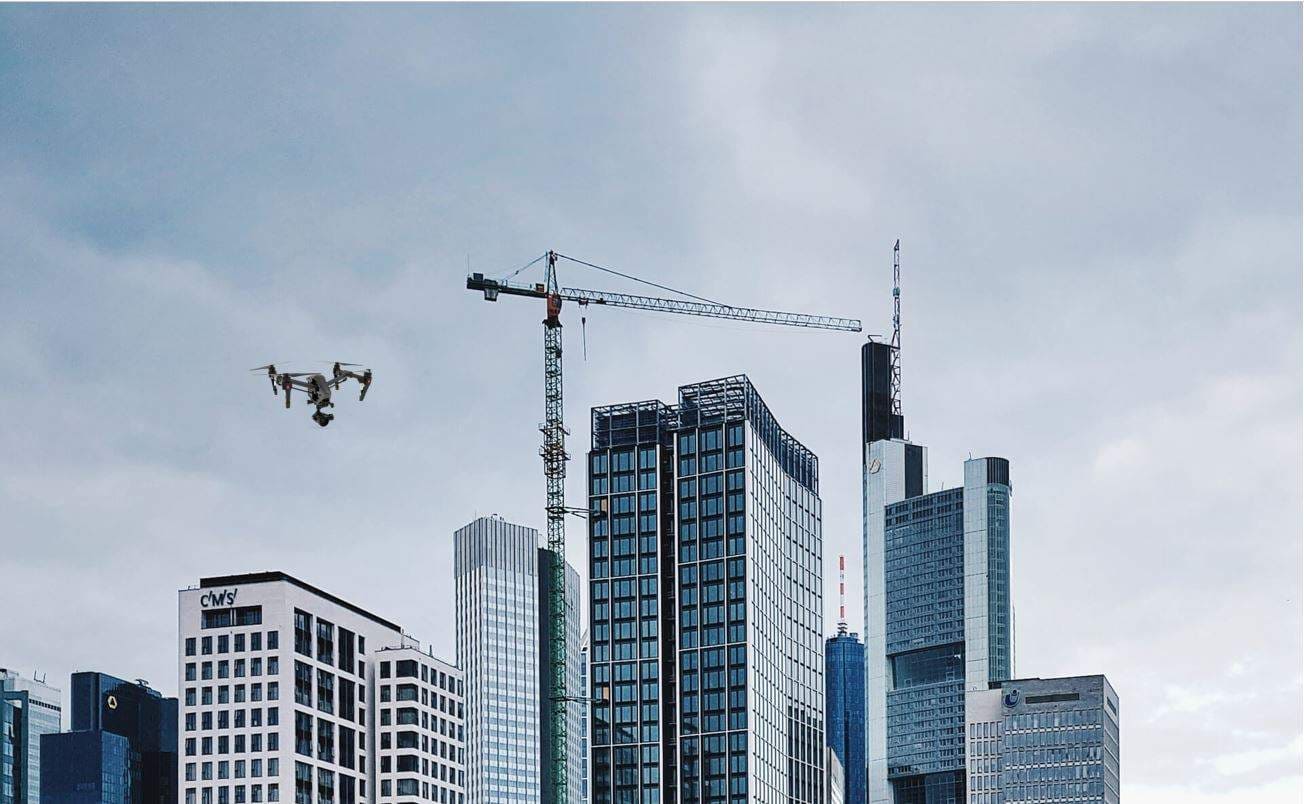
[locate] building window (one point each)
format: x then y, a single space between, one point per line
302 783
303 635
325 692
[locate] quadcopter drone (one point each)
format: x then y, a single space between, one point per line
317 386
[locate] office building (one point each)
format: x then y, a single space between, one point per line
942 624
278 689
937 603
422 729
501 576
80 767
1043 740
88 767
844 684
28 710
834 778
706 618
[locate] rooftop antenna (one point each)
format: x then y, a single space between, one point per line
896 328
842 595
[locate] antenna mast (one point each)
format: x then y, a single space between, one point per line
842 594
896 328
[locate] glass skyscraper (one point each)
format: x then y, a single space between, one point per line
844 677
142 717
28 709
706 614
501 577
937 608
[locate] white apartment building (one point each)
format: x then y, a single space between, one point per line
422 731
278 686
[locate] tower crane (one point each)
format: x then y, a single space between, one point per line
554 432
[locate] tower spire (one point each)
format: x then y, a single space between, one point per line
896 328
842 594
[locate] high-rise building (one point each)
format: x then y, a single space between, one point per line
28 710
940 625
502 576
422 749
706 616
937 604
82 768
245 639
844 684
1043 740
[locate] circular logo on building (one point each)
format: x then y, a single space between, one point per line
1011 698
112 702
874 466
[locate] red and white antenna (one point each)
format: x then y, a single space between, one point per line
842 594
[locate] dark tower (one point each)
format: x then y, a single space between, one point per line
877 421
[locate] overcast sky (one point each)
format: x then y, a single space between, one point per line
1100 217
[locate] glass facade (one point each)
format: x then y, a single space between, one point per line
706 603
501 576
496 575
844 674
89 767
146 719
28 710
944 592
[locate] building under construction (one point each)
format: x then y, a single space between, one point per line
706 595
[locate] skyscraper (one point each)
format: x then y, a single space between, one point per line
501 580
28 709
937 608
844 674
706 614
79 766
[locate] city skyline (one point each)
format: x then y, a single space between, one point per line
1099 214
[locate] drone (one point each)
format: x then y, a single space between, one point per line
317 386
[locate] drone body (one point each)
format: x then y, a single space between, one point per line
317 387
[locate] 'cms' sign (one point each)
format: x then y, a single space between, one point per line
224 598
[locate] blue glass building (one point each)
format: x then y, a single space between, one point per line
88 767
844 700
122 746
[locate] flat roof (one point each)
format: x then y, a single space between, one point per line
272 577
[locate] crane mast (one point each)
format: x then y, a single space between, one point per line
554 453
896 328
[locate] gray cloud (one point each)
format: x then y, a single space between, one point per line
1100 209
